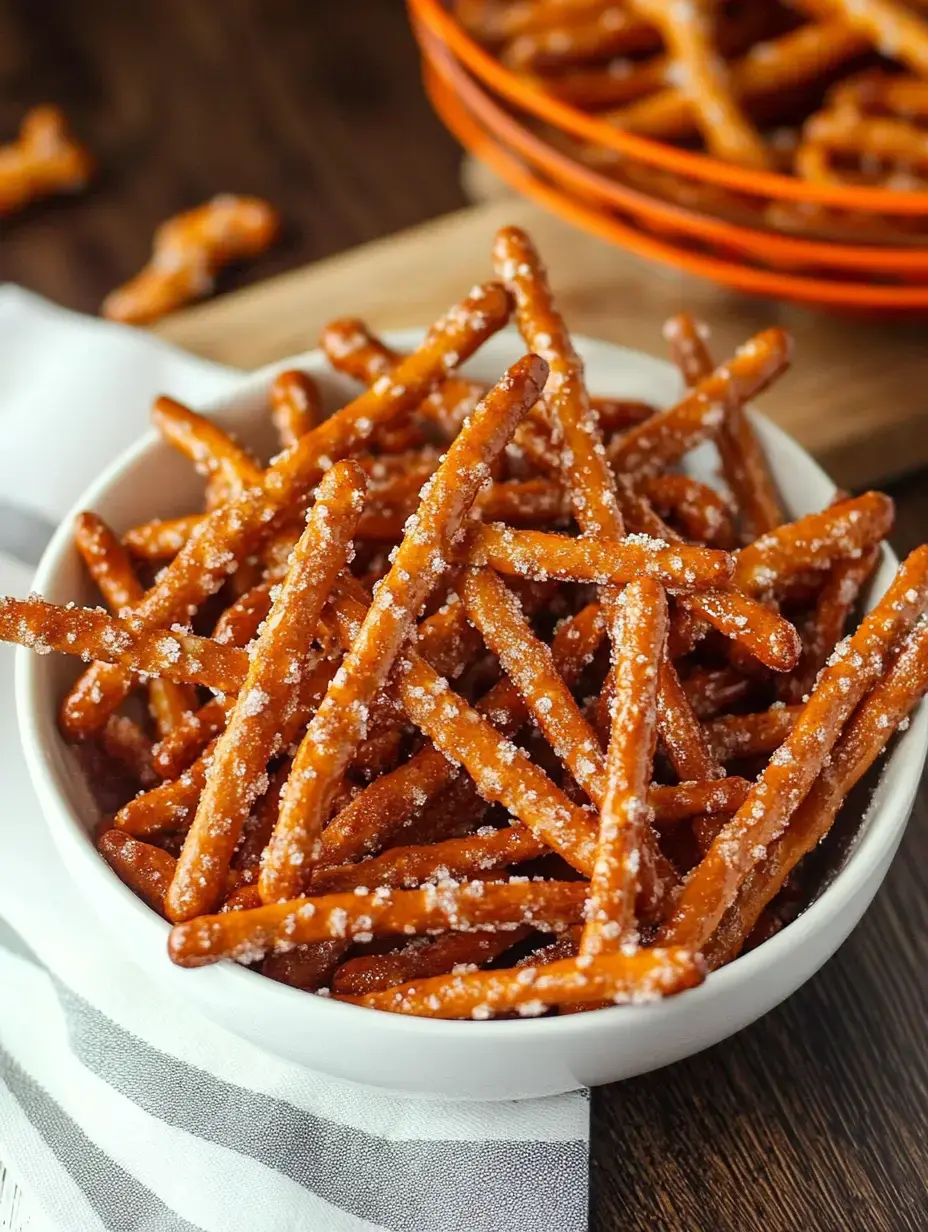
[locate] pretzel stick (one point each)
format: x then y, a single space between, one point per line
268 695
711 690
686 800
212 451
257 829
378 812
852 670
681 732
188 251
702 513
43 161
497 23
417 961
161 538
338 725
746 735
234 530
826 626
295 405
245 936
127 745
688 31
181 746
306 966
641 976
145 869
110 569
651 447
891 29
842 531
881 712
802 55
541 555
744 467
640 616
754 628
606 34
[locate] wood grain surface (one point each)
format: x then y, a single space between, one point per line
814 1119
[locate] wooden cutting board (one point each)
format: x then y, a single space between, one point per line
857 396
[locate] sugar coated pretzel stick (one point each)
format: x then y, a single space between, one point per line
246 936
754 628
188 251
306 966
161 538
640 616
891 29
92 634
826 625
854 667
111 570
711 690
417 961
541 555
844 530
43 161
338 725
806 54
501 773
744 467
880 713
701 512
295 405
663 440
681 732
237 774
745 735
643 975
124 741
181 746
369 821
235 529
212 451
609 33
687 30
683 801
145 869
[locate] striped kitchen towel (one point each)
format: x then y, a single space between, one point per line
119 1110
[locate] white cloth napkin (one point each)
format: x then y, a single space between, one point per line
125 1112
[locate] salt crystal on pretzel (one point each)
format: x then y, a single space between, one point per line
640 615
43 161
268 695
744 467
239 527
246 936
188 251
339 724
879 715
643 976
853 668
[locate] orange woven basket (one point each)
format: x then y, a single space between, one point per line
847 295
767 248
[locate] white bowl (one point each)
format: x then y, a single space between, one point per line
468 1060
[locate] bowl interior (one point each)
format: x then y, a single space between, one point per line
151 480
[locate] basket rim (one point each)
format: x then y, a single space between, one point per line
862 258
436 18
851 295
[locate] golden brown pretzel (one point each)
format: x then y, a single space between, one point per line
43 161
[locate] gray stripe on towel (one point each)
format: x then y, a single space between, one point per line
405 1186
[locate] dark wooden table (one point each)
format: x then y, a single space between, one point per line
815 1118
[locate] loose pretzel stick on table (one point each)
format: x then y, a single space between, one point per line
338 725
866 735
110 569
295 405
639 637
541 555
246 936
854 667
370 820
744 466
145 869
187 253
688 32
238 528
418 961
643 975
44 160
268 695
651 447
826 625
842 531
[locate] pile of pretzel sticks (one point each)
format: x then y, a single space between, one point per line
833 91
471 703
